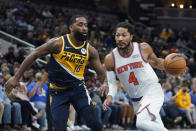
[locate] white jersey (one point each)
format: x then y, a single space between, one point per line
133 72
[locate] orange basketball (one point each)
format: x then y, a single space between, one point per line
175 64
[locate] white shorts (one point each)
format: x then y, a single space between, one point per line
151 101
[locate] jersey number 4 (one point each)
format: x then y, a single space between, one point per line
133 79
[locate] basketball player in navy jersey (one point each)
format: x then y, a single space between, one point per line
69 56
131 62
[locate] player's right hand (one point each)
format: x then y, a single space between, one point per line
107 102
10 84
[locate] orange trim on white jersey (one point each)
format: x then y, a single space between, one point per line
146 107
153 115
139 111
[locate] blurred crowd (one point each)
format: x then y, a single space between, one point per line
35 23
25 105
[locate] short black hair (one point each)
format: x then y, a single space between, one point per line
126 25
74 17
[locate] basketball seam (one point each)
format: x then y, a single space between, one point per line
175 68
175 61
176 56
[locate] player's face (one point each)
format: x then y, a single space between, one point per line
80 29
123 38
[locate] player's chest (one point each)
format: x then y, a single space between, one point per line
129 65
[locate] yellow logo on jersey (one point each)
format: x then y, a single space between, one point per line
73 62
72 57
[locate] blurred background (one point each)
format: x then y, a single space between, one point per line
167 25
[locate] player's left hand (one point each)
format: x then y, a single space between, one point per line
104 89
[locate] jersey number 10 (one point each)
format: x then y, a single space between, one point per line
133 79
77 68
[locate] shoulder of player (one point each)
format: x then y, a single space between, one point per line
145 47
108 62
92 50
55 45
109 56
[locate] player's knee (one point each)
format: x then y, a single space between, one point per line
91 118
141 122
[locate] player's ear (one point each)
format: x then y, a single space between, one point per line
71 27
131 37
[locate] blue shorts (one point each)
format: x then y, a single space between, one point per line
61 100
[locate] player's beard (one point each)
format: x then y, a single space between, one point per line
80 37
126 49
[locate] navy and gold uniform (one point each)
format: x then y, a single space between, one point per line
66 69
66 75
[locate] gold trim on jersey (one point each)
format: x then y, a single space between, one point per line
71 73
63 44
53 86
62 49
72 62
76 47
87 50
75 69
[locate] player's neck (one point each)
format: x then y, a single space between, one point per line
75 41
126 51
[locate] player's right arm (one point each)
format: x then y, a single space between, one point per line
111 78
52 46
156 62
95 63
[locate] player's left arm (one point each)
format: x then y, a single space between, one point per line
156 62
95 63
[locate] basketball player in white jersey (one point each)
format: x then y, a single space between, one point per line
131 62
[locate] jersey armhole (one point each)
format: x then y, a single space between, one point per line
62 49
63 44
140 52
87 48
114 61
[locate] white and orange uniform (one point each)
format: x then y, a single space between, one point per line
140 82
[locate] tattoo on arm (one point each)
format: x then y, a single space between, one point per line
52 46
